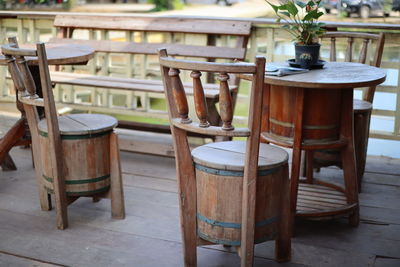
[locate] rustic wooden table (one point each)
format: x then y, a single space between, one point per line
57 54
312 111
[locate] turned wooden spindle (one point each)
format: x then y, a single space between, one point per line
13 69
28 81
363 52
23 67
199 99
333 49
225 102
349 51
179 95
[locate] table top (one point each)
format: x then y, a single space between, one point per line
61 54
334 75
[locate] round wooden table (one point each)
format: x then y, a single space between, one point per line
57 54
312 111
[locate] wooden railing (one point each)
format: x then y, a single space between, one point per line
267 39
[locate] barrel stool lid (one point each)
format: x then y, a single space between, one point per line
361 106
230 156
81 124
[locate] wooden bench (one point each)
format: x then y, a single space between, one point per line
170 30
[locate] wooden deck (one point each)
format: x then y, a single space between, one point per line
150 234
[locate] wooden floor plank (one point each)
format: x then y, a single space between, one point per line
380 215
7 259
366 238
387 262
320 256
383 165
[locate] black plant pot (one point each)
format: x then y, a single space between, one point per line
307 55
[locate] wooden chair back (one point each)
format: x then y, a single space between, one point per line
28 95
178 101
367 41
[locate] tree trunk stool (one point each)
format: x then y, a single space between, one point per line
86 153
362 118
219 177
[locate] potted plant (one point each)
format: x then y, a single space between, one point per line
301 18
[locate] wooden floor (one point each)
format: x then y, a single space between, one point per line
150 234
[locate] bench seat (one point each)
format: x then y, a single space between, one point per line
132 84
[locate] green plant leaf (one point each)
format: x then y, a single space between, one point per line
311 3
284 13
274 7
319 14
313 14
291 8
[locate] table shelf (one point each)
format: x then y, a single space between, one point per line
319 201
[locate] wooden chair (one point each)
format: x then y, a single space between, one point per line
75 155
225 196
371 45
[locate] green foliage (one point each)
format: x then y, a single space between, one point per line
161 5
301 18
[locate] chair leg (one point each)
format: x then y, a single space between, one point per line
44 196
117 193
283 241
45 199
61 206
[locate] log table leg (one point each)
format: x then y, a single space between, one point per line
348 156
297 141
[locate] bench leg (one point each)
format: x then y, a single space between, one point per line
8 164
117 193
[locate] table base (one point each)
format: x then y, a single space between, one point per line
315 200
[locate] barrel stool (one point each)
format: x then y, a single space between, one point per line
91 165
219 177
86 148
